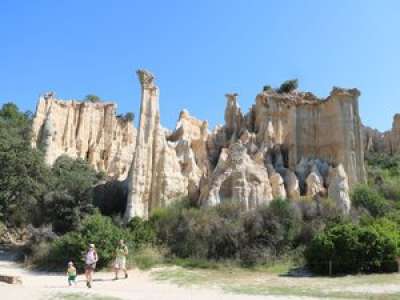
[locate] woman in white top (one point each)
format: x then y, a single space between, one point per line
91 259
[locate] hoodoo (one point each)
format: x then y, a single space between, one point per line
290 144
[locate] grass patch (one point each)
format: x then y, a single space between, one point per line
145 258
306 292
180 276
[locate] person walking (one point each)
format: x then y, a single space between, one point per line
120 259
91 258
71 273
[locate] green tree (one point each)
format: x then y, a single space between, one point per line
71 195
288 86
92 98
23 174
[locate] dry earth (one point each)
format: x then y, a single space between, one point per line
174 283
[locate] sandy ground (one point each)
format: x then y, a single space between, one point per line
139 286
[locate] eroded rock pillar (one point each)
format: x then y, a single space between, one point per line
141 172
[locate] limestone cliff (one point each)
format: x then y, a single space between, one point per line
287 145
86 130
383 142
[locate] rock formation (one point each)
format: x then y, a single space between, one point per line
166 166
86 130
387 142
288 145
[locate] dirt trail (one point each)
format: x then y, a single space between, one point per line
139 286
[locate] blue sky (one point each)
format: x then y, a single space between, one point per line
200 50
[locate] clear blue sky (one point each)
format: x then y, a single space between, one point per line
199 50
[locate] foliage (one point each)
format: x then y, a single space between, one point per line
146 258
92 98
70 198
353 248
226 232
23 174
128 117
368 198
267 88
288 86
72 246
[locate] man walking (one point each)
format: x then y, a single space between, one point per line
120 259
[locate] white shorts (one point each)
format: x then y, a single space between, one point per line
120 263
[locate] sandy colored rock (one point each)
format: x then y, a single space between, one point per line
86 130
338 188
238 178
314 183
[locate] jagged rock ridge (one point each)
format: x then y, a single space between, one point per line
86 130
287 145
383 142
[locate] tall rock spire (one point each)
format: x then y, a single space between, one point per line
141 172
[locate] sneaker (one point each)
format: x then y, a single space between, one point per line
88 284
126 275
115 278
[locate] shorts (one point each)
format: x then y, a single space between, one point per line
120 263
72 278
90 267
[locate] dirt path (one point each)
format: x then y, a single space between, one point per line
139 286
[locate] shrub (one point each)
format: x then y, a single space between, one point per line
72 246
146 258
267 88
364 196
70 198
92 98
288 86
351 249
225 232
140 233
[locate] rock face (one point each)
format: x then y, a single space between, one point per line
386 142
288 145
86 130
166 166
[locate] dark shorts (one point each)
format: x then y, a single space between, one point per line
72 278
90 267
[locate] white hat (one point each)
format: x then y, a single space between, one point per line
91 245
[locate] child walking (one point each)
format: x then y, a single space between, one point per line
71 273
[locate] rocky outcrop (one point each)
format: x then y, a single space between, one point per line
86 130
392 138
166 166
383 142
339 188
288 145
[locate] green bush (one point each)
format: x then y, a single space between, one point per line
141 232
288 86
225 232
92 98
352 249
370 199
72 246
71 197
